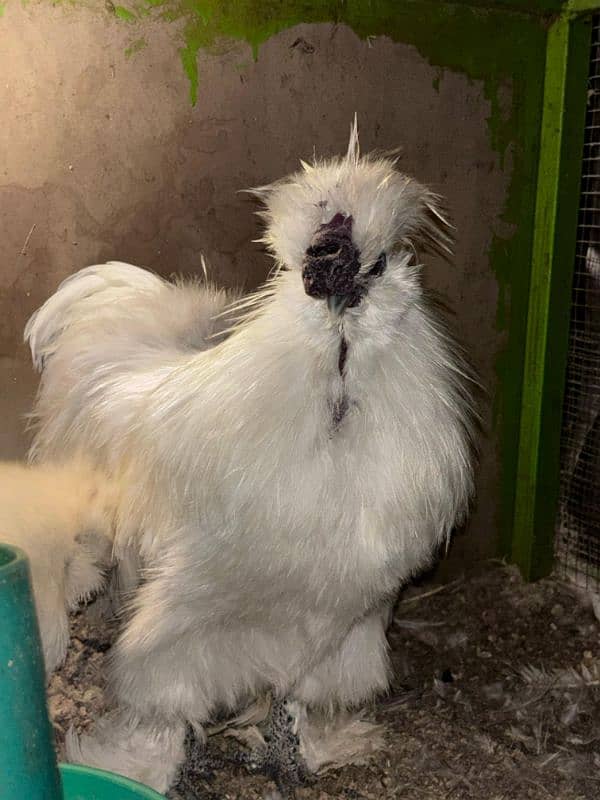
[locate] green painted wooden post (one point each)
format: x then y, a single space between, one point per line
565 91
27 761
575 7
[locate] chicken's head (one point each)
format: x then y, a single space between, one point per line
352 227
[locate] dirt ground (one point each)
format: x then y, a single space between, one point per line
496 695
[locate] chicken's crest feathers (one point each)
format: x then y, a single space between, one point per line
391 212
353 154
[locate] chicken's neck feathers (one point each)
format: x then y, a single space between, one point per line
292 377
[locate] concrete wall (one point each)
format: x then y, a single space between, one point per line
104 157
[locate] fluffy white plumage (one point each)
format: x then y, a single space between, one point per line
63 517
275 530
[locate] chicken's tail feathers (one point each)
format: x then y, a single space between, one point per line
84 294
103 342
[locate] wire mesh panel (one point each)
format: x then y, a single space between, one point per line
578 534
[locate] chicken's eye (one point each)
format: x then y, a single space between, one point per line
378 267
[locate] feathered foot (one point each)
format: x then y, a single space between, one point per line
296 747
284 743
201 763
273 751
279 758
319 741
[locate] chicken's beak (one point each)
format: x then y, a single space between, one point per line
331 265
337 303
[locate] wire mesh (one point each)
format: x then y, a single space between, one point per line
578 524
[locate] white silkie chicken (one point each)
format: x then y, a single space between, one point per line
279 481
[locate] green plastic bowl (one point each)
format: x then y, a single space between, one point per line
86 783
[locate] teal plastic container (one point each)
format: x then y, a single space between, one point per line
85 783
27 765
28 768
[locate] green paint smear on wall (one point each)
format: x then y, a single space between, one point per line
2 7
502 48
124 13
474 42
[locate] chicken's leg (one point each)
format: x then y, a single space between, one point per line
280 759
276 755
